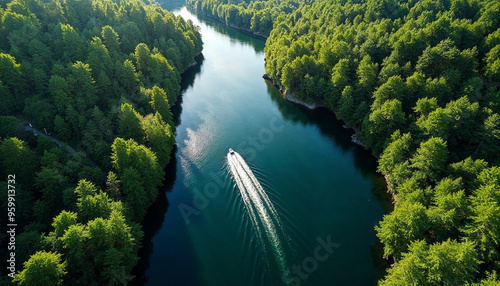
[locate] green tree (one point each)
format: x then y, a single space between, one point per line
159 103
28 242
437 123
51 184
72 48
347 104
396 152
394 88
382 122
484 228
17 158
161 72
142 55
10 126
450 210
113 186
74 244
140 174
468 170
73 120
159 137
82 85
425 106
99 59
435 60
367 73
63 221
490 144
431 158
62 129
92 207
446 263
10 74
493 63
111 40
43 268
128 77
135 194
85 188
408 222
129 124
490 280
60 92
341 75
9 101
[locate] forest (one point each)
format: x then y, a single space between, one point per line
99 77
419 82
255 16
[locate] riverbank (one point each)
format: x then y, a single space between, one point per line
198 57
245 31
289 96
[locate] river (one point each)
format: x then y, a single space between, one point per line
307 219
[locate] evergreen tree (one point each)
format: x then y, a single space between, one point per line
43 268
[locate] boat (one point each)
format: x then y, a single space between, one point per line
231 151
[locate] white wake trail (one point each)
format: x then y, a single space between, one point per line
246 200
259 206
260 190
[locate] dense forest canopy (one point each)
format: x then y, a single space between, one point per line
256 16
100 76
419 81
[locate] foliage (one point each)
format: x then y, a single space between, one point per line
140 174
43 268
255 16
446 263
86 72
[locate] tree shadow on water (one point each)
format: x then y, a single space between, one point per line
363 160
322 118
155 216
153 221
187 81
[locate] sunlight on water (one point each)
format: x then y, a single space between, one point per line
259 207
198 142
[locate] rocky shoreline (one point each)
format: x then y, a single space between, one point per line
198 56
244 30
355 138
289 96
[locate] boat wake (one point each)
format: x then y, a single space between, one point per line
263 215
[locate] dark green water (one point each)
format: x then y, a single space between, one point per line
323 188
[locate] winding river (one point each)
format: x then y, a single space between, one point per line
297 206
